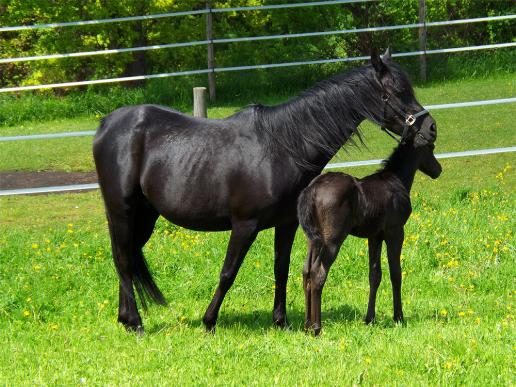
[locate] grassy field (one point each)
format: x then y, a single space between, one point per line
59 288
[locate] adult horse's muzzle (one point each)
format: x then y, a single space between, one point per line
426 132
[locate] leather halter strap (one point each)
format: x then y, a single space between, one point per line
410 119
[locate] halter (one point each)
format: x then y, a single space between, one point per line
410 119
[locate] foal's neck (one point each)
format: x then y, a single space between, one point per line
404 163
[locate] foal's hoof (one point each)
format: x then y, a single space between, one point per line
368 320
317 330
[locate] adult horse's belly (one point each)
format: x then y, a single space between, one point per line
203 190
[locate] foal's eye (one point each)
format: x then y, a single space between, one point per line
385 97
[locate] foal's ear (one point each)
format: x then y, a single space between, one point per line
377 62
387 54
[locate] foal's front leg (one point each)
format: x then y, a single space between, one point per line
394 244
375 275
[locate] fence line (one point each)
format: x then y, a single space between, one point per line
251 67
254 38
180 13
92 132
79 187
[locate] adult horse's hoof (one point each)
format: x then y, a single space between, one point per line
137 329
317 330
280 320
209 325
368 320
400 321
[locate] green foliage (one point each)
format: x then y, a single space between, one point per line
231 24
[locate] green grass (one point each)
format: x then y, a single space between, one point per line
59 288
59 298
459 129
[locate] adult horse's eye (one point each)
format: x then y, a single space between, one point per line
385 97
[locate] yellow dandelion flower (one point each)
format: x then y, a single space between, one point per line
35 246
367 360
37 267
461 314
443 312
26 313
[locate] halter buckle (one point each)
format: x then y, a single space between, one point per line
410 120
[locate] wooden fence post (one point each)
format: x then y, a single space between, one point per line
422 40
199 102
211 54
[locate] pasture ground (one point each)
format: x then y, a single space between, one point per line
59 289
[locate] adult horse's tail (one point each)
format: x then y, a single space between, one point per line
130 216
306 215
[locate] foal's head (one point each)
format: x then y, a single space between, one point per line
407 159
402 113
428 164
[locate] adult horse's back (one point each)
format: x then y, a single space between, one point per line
242 173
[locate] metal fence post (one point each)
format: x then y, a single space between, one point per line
211 54
422 40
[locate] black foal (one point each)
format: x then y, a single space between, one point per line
376 207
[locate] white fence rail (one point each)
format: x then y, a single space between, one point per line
251 67
81 187
92 132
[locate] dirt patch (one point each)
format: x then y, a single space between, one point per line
16 180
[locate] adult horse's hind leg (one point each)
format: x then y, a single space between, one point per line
394 244
375 275
130 229
283 240
242 237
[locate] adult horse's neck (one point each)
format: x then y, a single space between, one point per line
313 126
404 163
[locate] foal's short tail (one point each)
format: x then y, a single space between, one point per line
306 215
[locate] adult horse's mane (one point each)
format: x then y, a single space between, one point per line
322 117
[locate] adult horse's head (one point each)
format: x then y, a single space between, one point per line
402 113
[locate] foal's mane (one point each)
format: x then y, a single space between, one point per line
323 117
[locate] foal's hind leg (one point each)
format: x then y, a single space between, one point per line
243 235
283 240
375 275
318 274
313 250
394 244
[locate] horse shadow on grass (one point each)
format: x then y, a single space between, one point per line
261 320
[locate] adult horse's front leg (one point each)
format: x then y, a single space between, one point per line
243 234
283 240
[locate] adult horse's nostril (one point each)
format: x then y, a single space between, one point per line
433 128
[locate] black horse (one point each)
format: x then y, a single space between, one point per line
243 173
376 207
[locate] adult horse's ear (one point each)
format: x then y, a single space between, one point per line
387 54
376 61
